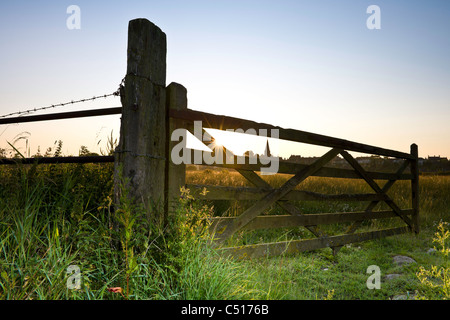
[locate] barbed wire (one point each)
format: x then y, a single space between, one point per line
19 113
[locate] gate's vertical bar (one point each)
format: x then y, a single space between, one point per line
140 155
415 186
176 173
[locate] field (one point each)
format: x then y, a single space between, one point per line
53 217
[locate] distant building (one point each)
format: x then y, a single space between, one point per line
367 160
363 160
436 158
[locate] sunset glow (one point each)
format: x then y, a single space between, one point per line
307 65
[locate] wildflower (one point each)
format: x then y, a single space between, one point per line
115 290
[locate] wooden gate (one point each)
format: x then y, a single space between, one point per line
285 196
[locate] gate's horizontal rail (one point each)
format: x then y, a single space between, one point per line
289 247
225 122
59 116
288 167
63 115
289 221
246 193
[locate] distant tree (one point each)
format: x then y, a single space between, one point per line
84 152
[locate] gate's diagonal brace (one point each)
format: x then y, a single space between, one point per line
275 195
253 178
355 225
385 189
375 187
290 208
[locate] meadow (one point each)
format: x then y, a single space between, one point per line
56 216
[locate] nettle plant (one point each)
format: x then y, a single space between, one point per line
193 217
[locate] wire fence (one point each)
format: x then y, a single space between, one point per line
20 113
25 116
71 102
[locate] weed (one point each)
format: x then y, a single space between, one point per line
437 279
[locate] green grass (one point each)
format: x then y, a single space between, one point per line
52 217
314 275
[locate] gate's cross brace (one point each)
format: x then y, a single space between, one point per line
376 188
290 208
385 189
275 195
355 225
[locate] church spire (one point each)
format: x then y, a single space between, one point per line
267 151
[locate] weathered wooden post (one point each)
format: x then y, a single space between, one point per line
176 98
140 155
415 186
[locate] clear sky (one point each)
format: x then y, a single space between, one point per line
307 65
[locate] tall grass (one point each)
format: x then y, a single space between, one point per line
55 216
52 217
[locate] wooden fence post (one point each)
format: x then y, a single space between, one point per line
415 186
140 155
176 174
